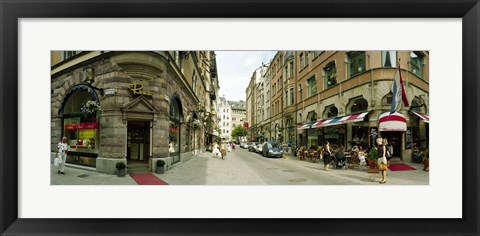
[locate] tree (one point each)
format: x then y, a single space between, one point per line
239 131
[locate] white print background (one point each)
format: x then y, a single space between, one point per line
38 36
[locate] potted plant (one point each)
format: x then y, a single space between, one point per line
372 157
160 167
121 169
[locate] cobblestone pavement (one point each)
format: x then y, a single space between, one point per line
241 167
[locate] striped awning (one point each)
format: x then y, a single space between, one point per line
392 122
306 126
340 120
425 118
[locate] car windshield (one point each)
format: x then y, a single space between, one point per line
274 145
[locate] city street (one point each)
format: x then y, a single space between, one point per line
243 167
247 168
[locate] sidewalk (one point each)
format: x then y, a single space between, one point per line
355 175
204 169
76 176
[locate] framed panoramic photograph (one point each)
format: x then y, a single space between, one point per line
246 118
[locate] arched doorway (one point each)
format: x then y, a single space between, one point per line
176 118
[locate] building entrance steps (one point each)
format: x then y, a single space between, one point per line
138 167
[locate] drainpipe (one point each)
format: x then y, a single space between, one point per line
296 100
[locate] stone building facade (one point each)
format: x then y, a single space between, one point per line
154 105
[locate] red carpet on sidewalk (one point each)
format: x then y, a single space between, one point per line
147 179
400 167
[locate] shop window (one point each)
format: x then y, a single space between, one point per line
80 129
330 72
357 62
416 63
389 58
312 86
176 118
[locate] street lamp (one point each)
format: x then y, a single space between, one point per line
88 73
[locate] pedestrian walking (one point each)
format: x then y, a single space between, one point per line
216 152
382 150
223 150
229 147
327 155
62 151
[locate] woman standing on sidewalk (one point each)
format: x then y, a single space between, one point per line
381 149
327 154
62 150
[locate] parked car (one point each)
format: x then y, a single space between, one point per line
251 146
272 149
259 148
243 145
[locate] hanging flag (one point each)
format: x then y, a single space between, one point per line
398 91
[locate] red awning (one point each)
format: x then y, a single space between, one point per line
392 122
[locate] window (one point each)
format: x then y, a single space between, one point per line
286 97
292 98
291 69
306 59
357 62
312 86
330 71
330 112
389 59
301 61
358 105
68 54
416 63
315 54
387 99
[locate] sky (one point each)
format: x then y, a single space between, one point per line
235 68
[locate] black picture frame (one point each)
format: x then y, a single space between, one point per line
11 11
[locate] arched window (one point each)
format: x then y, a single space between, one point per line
416 104
387 99
176 118
357 105
330 112
80 128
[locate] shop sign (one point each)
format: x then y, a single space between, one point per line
373 136
137 89
83 125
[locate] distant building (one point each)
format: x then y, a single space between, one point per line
225 117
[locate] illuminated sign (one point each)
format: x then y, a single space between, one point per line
137 89
83 125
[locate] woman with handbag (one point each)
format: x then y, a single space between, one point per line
382 160
327 155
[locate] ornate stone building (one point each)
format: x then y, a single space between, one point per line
132 107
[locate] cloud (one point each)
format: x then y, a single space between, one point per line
235 69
